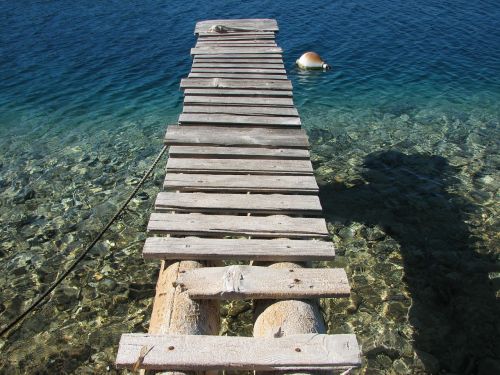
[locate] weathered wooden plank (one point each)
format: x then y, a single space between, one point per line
235 50
236 37
236 43
209 93
241 183
238 25
237 100
236 83
260 66
238 203
237 249
242 110
257 137
238 152
236 34
201 353
240 166
253 282
275 226
195 118
241 56
196 69
262 60
238 76
248 40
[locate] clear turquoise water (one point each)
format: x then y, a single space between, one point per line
405 142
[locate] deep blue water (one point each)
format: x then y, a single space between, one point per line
98 64
405 134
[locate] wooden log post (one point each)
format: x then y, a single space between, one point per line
175 313
287 317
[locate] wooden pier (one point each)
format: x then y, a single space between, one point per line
239 187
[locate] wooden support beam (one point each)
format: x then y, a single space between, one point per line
281 318
174 312
248 110
223 119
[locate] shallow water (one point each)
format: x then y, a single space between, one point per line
404 132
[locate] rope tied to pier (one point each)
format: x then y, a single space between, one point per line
226 29
65 274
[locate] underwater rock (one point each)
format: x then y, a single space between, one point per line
383 361
372 234
381 345
355 301
25 194
238 307
395 311
141 291
65 297
346 233
481 196
401 367
142 196
373 371
426 361
107 285
488 366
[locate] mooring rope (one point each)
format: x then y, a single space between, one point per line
226 29
82 255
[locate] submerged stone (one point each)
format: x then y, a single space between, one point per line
488 366
426 361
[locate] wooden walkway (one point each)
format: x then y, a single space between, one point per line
239 187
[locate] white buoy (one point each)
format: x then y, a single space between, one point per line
311 60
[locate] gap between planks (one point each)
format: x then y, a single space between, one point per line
238 152
249 110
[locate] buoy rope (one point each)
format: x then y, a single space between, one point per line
45 294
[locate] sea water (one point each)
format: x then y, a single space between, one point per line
405 144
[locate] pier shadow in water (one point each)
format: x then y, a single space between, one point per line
454 313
